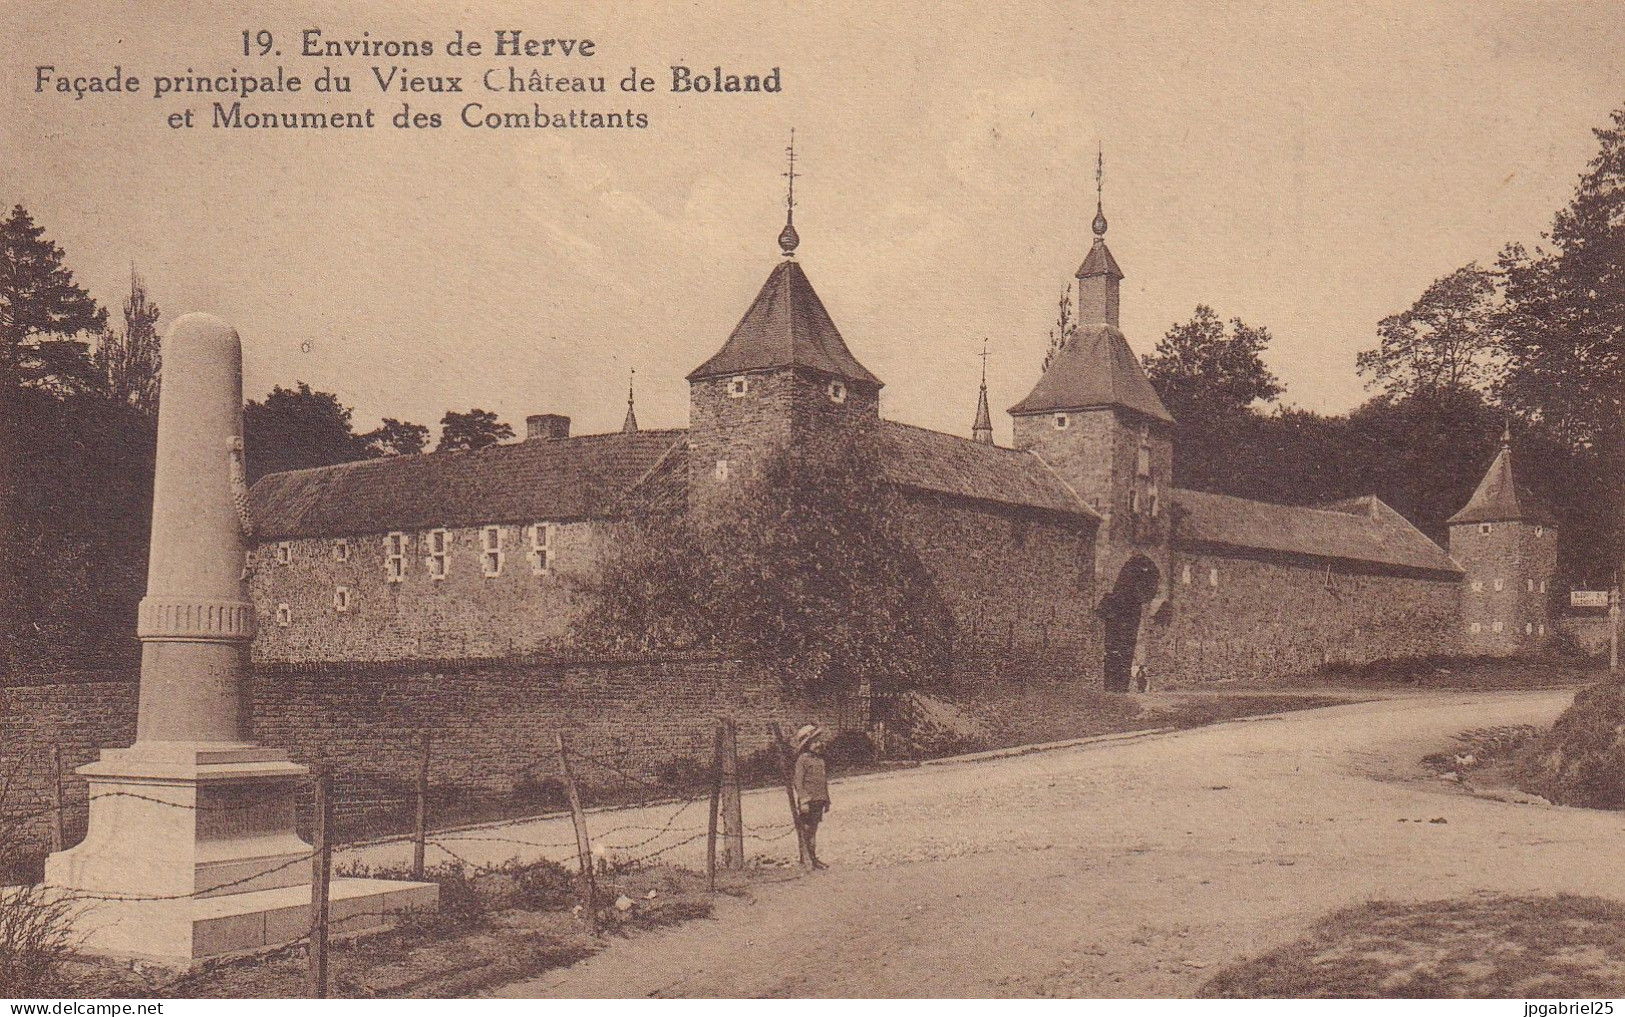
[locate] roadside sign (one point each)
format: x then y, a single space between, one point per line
1588 598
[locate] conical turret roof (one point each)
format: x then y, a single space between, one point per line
1095 368
786 326
1500 498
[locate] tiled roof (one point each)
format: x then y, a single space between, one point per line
786 326
1095 368
947 464
567 478
1356 529
1499 498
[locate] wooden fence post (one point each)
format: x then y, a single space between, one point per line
321 873
716 803
733 824
57 841
788 764
420 837
583 844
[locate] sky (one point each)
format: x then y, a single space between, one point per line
1306 167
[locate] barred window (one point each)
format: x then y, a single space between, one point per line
284 552
395 556
541 548
284 616
436 558
491 551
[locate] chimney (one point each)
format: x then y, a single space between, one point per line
547 426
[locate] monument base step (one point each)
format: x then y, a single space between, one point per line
182 932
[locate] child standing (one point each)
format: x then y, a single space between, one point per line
811 785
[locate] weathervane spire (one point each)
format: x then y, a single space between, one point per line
982 429
1100 177
788 239
630 424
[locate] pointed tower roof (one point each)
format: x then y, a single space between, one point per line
786 326
630 424
1095 368
1500 498
1099 260
982 430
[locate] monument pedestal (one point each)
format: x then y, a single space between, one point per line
196 843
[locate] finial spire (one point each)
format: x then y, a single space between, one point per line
630 425
788 239
1506 430
982 429
1100 177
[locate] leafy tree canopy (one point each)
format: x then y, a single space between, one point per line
460 432
396 438
1200 369
1446 340
298 428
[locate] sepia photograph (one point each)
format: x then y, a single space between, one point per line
623 500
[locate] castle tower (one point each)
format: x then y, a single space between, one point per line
785 373
1096 420
1506 541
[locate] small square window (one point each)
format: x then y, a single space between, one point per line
1496 627
738 386
1485 527
722 469
284 552
1540 531
1500 584
1478 586
341 550
284 616
1475 627
541 548
837 391
1213 578
1062 421
438 542
491 551
395 557
341 599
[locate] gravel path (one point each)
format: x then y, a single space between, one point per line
1130 867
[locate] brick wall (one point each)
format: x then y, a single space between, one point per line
1272 618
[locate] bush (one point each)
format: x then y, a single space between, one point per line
546 794
35 938
850 749
1581 760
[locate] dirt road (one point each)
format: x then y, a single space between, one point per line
1132 867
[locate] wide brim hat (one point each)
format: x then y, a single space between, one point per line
806 736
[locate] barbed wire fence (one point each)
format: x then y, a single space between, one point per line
684 812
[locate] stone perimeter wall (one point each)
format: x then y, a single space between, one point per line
1276 618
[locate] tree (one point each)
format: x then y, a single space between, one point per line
129 362
296 429
1200 369
1061 333
42 311
461 432
396 438
807 570
1446 340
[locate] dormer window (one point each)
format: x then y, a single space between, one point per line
837 391
1062 422
738 386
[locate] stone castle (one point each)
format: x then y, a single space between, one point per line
1072 550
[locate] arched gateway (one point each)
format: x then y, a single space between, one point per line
1120 611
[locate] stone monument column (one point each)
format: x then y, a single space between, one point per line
191 849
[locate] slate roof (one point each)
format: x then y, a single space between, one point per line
1095 368
1499 498
785 326
569 478
1099 261
948 464
1355 529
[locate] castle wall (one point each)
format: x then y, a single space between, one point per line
466 614
1506 599
1014 580
1273 617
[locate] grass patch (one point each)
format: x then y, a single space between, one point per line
1466 673
1486 946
